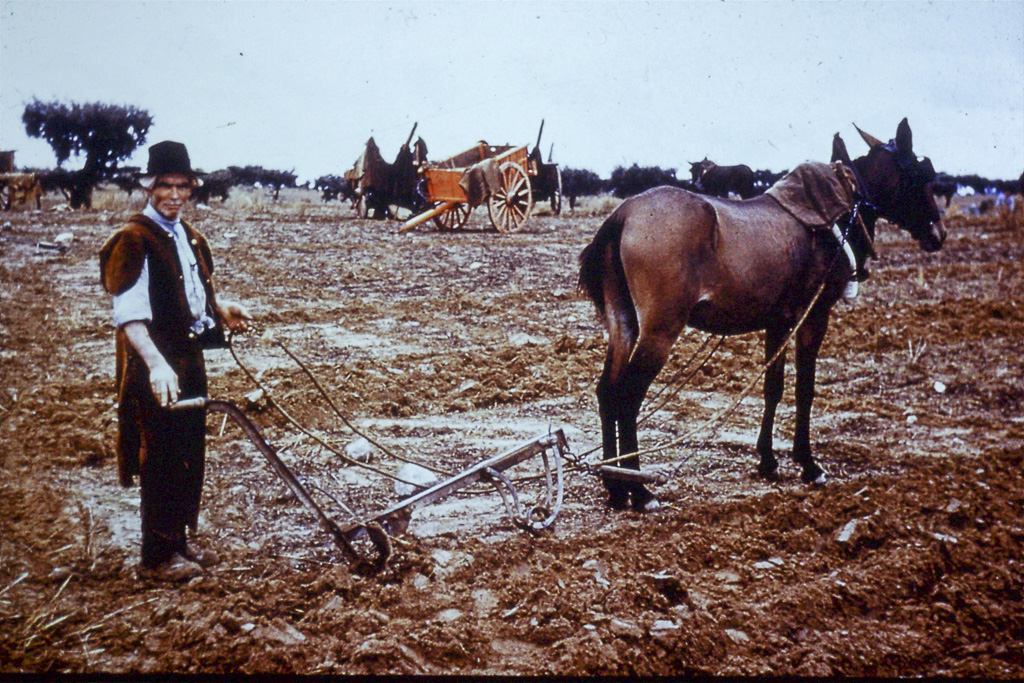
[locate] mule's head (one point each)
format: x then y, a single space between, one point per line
900 185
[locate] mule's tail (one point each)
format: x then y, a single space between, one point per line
601 273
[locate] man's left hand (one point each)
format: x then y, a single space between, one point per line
236 317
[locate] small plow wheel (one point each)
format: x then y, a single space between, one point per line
371 552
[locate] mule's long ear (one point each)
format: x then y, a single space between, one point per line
839 152
904 138
872 141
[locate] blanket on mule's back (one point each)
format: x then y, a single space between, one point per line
815 193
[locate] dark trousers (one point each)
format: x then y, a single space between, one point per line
172 461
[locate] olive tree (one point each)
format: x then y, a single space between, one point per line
105 134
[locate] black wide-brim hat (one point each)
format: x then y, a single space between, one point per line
165 158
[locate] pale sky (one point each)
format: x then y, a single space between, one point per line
301 85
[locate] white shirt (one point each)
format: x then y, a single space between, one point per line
133 304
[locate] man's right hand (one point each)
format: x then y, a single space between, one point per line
164 383
162 378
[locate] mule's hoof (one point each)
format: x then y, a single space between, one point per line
618 501
649 506
814 478
768 473
644 501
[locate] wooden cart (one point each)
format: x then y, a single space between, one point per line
508 205
547 177
17 188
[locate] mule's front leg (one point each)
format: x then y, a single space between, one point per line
773 384
809 340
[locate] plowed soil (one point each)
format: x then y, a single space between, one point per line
447 348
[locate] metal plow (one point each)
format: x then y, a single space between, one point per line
366 543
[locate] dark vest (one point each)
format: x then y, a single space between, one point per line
121 262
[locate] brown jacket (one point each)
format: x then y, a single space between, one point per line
121 262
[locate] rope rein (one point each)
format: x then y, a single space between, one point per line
347 422
684 380
675 378
295 423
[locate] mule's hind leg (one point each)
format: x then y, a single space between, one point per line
619 396
645 363
608 408
808 342
622 335
773 384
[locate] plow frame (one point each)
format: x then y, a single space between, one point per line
395 519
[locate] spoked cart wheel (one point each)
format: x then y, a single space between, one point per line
454 218
510 206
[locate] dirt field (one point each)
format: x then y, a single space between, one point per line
449 348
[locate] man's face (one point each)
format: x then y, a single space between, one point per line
169 194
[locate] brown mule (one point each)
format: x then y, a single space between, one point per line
667 259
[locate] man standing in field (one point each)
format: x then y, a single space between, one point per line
159 270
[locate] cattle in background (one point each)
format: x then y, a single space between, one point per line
577 182
52 180
764 179
335 187
74 185
626 182
275 180
250 176
944 185
721 180
126 178
215 184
